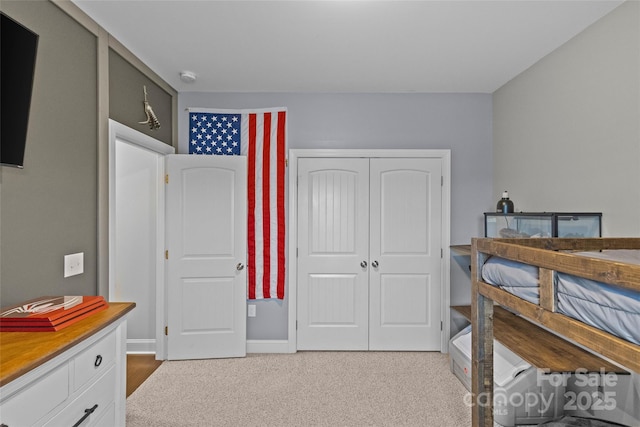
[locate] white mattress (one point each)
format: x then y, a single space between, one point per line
607 307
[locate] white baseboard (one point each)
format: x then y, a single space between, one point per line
138 346
148 346
268 346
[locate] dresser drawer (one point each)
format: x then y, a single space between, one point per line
98 397
108 419
37 399
54 379
94 360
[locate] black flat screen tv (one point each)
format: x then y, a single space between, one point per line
18 51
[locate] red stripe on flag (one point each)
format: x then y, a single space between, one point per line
266 206
281 156
251 206
263 135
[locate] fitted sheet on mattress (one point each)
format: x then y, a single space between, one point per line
607 307
518 278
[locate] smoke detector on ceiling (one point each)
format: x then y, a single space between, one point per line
188 76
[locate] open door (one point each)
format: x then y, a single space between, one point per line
206 237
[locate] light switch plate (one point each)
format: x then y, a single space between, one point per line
73 264
251 310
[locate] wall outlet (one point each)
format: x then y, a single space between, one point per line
251 310
73 264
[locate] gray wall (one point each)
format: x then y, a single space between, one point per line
567 136
567 131
49 208
460 122
126 99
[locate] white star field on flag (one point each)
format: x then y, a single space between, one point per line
214 133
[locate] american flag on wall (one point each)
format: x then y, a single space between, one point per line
262 136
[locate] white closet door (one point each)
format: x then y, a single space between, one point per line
405 251
333 228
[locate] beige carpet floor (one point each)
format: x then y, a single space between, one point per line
303 389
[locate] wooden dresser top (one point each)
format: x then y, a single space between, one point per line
20 352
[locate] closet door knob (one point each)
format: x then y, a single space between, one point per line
240 266
374 264
363 264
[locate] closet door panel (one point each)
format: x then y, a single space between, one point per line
403 207
402 299
405 254
333 199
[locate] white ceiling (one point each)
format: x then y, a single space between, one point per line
471 46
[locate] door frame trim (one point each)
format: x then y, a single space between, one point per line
119 131
294 154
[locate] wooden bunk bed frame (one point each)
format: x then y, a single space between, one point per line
550 255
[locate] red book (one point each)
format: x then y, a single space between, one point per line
49 313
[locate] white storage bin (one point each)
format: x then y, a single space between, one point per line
523 395
604 396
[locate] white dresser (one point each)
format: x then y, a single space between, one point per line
72 377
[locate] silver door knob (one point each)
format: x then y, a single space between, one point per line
363 264
240 266
374 264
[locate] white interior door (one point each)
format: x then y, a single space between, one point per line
333 293
206 243
405 277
